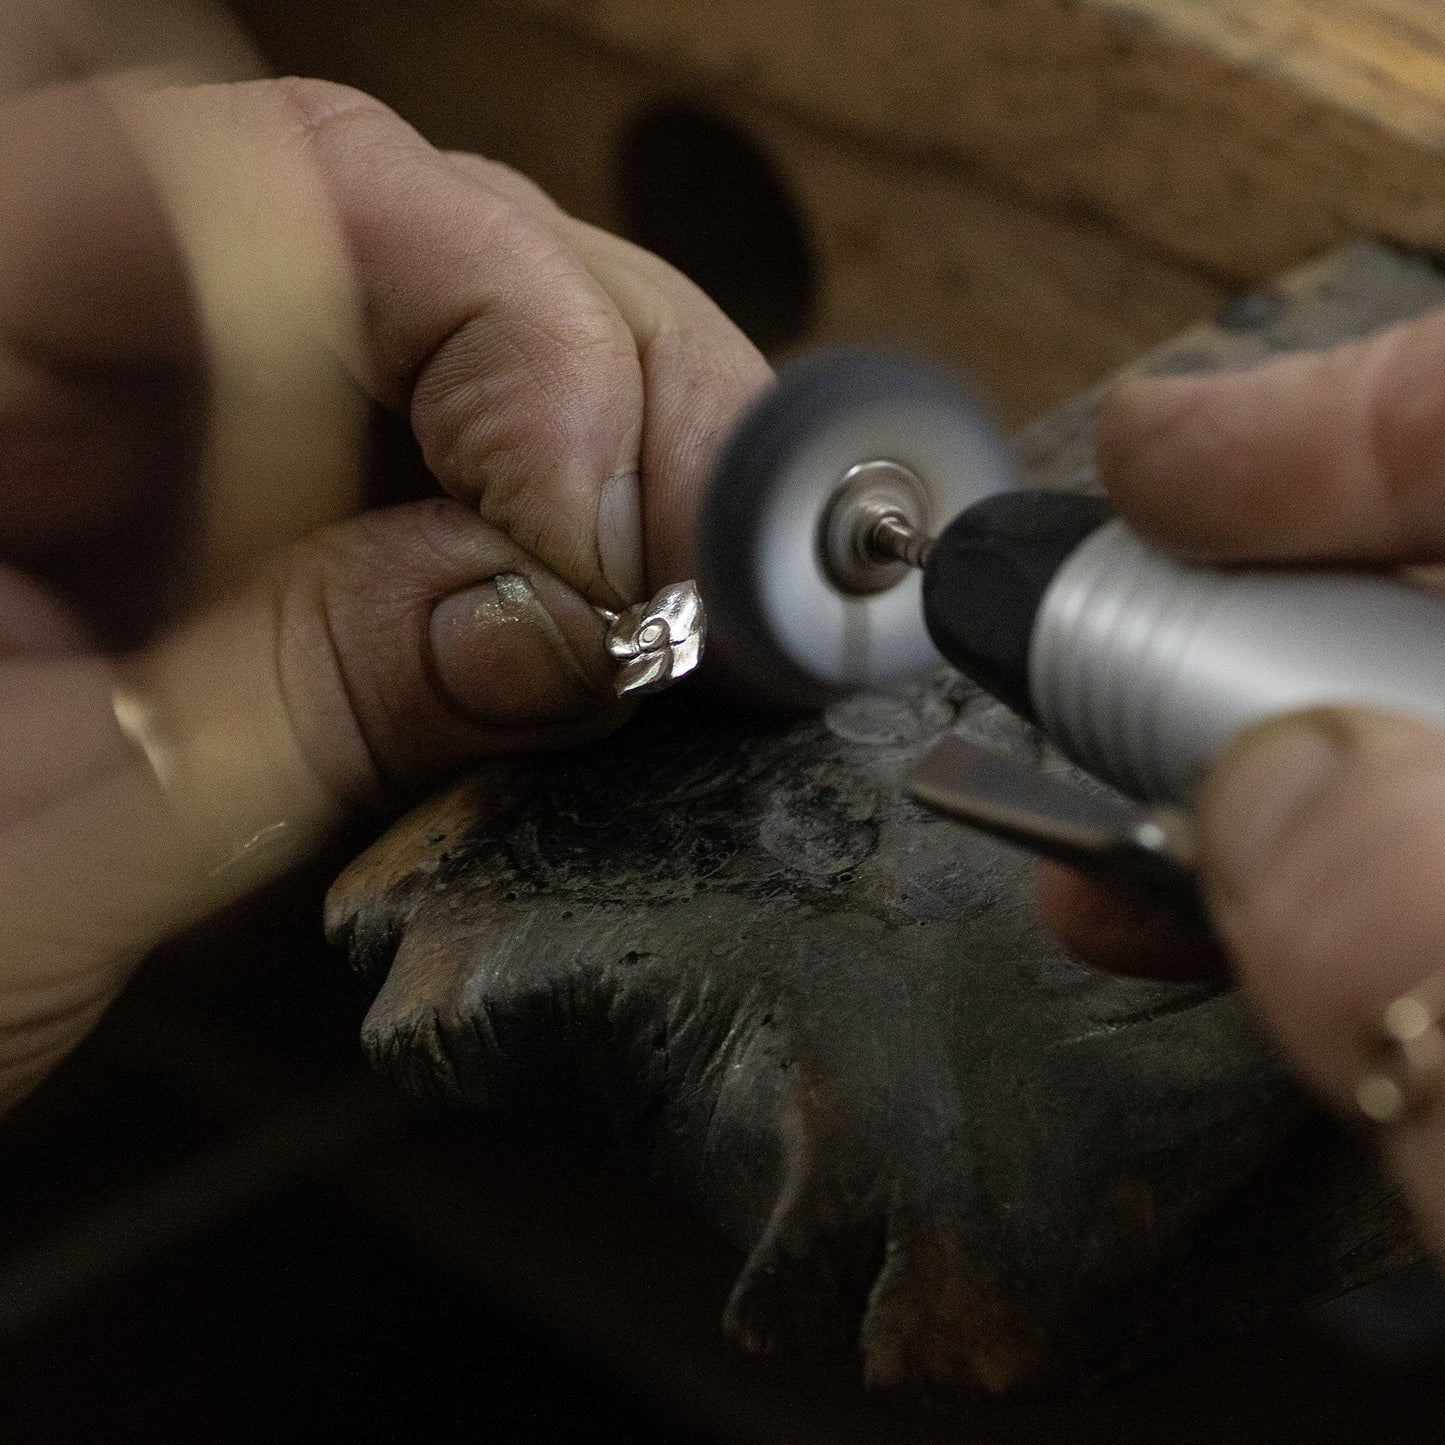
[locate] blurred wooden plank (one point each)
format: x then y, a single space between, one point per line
1383 60
914 249
1241 136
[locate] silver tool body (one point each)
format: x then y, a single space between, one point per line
1143 667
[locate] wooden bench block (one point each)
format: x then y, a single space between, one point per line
1239 135
1036 190
857 1056
909 248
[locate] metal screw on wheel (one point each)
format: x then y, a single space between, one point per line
843 441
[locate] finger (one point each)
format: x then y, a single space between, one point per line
572 386
93 273
158 349
1327 455
1324 851
30 51
32 622
699 372
1119 933
521 380
98 340
366 662
47 672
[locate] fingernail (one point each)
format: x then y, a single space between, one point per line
619 536
1265 785
504 661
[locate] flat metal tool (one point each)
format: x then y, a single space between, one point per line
1145 850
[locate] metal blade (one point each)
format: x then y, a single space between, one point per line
1143 849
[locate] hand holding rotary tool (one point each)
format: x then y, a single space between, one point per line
866 515
1244 640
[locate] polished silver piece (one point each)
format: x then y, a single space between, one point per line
872 495
1143 667
657 643
1144 849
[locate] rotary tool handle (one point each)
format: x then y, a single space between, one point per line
1143 667
987 576
1150 666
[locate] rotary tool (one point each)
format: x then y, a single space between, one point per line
865 518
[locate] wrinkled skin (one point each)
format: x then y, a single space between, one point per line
828 1020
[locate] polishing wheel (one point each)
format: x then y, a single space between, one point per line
795 587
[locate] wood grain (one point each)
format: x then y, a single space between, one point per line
1036 190
1240 136
914 248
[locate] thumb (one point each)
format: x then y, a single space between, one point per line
1324 854
1319 455
377 655
368 660
416 639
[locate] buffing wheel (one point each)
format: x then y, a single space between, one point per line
839 434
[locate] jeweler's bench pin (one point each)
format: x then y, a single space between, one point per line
656 643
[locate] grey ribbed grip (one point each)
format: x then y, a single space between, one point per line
1143 667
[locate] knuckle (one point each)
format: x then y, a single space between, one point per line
316 671
500 408
506 181
350 611
660 326
320 106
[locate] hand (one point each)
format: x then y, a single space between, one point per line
1323 835
566 389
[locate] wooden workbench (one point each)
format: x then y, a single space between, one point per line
1037 190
